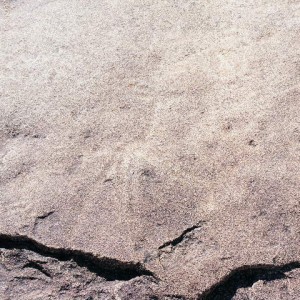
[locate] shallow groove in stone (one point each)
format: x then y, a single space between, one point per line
108 268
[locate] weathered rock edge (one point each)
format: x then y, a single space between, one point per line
112 269
246 276
108 268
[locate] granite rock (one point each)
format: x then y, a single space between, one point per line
159 137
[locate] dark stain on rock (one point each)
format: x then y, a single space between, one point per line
252 143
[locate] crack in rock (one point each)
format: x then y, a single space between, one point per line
181 237
108 268
246 276
46 215
37 266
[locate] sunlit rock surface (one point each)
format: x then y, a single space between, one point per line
159 136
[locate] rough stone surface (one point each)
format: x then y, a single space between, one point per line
287 288
32 276
159 136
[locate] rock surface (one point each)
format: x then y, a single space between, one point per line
280 289
157 139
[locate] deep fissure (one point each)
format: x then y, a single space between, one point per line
108 268
244 277
112 269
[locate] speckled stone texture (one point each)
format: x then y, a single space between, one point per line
158 136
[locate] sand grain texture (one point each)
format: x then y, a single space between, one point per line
159 137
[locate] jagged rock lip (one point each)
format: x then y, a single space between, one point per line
108 268
113 269
246 276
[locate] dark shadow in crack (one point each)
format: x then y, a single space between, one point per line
181 237
37 266
244 277
108 268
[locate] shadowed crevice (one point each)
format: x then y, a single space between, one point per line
37 266
244 277
181 237
108 268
